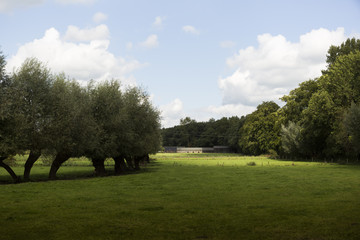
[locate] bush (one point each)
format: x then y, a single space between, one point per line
273 154
251 164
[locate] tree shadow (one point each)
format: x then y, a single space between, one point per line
80 173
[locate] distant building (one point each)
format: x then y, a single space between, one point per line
215 149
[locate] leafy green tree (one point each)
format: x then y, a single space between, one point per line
349 46
290 138
261 132
187 120
317 123
342 80
10 121
32 83
352 127
72 127
318 106
107 106
298 100
143 122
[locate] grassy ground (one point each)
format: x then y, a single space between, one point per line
187 196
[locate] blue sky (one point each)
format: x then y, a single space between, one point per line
203 59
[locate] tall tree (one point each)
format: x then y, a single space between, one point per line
291 138
106 105
32 82
143 121
298 100
261 131
352 127
72 125
10 120
347 47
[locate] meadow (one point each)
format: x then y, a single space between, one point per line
185 196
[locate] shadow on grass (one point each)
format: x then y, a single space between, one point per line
76 173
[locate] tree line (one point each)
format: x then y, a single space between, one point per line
46 113
320 118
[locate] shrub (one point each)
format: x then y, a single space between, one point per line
273 154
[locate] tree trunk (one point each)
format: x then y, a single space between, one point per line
33 157
120 165
137 162
98 163
130 164
9 170
59 159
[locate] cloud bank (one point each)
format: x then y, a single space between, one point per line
172 113
264 72
82 54
276 66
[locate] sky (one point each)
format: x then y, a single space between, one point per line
197 58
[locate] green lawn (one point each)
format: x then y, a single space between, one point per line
187 196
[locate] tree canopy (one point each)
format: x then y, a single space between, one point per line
50 114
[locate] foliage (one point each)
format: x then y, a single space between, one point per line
318 106
347 47
31 88
222 132
352 127
46 113
290 138
260 132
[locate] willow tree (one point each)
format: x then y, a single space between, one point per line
106 106
143 123
10 121
72 126
32 82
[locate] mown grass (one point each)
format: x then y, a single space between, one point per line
188 196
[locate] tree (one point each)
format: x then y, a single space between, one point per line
72 126
347 47
186 120
143 121
106 106
318 106
317 124
290 138
10 121
298 100
352 127
32 83
260 132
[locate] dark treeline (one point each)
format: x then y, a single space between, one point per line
49 114
189 133
320 118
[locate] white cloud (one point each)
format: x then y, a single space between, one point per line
9 5
99 17
150 42
82 61
158 23
66 2
190 29
230 110
227 44
172 113
100 32
276 66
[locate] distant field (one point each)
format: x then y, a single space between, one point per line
186 196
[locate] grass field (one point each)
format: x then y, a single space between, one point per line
187 196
